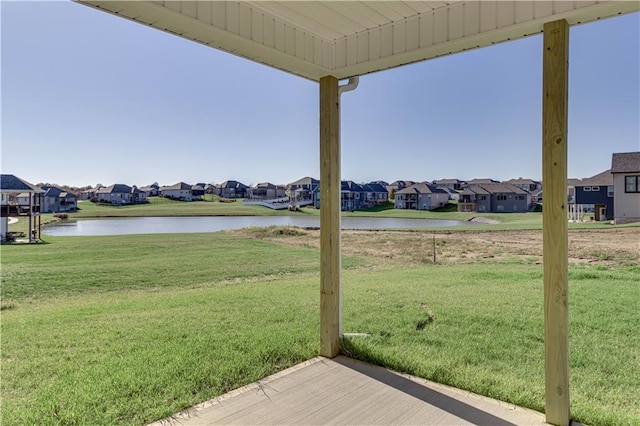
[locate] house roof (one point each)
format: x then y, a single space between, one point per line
601 179
55 191
481 181
266 185
180 186
422 188
116 188
522 181
351 186
573 182
625 162
475 190
497 188
399 184
374 187
11 183
306 181
446 181
229 184
314 39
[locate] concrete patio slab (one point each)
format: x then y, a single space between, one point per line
343 391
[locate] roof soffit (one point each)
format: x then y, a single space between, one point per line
344 39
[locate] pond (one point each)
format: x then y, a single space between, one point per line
171 225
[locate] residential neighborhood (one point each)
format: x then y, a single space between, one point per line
611 195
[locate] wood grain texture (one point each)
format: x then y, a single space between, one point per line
555 237
330 258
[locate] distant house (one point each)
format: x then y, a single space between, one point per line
24 199
474 198
625 168
10 186
120 194
233 189
180 191
151 190
197 191
421 196
528 185
304 189
398 185
352 196
481 181
571 189
494 198
263 191
57 200
375 193
454 194
211 188
454 184
594 194
88 194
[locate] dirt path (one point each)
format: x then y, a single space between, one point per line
615 246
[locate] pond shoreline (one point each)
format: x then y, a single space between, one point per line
199 224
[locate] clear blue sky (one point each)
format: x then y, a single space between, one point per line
90 98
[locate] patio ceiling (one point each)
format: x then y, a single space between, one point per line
314 39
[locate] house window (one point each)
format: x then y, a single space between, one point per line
520 197
632 184
483 198
502 197
587 189
595 188
610 191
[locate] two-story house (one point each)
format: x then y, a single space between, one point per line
304 189
179 191
594 194
233 189
421 196
57 200
494 198
375 193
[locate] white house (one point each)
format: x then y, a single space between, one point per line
180 191
121 194
625 167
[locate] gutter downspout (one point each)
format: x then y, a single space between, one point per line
351 85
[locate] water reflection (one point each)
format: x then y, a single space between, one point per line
174 225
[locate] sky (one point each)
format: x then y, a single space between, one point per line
89 98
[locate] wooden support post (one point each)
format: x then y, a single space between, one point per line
554 220
330 255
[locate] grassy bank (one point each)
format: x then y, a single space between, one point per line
130 329
158 206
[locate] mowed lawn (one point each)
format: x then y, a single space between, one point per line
131 329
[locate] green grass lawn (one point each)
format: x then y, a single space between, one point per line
131 329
